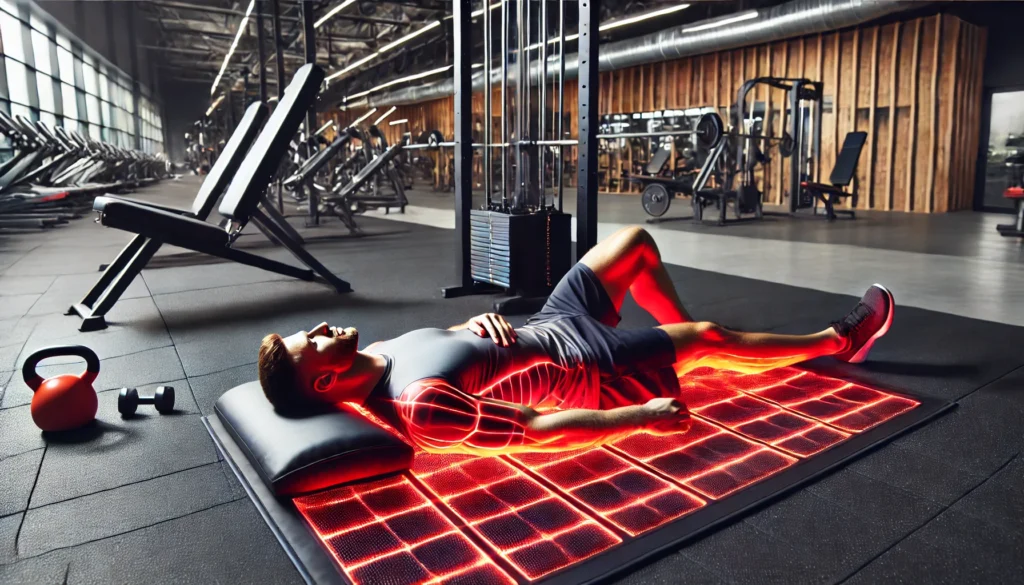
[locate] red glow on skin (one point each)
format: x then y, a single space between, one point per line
745 429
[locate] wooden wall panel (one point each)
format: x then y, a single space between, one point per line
915 86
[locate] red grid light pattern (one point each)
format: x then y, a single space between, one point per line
631 498
528 525
707 459
386 531
718 400
745 429
844 405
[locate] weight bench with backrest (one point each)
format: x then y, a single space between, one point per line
242 200
842 176
343 197
133 258
658 161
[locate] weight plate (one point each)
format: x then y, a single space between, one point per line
163 400
127 401
656 200
435 138
787 145
709 130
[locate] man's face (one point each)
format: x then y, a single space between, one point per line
321 356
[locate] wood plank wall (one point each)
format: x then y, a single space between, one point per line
915 86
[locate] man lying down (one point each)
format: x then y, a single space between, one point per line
568 379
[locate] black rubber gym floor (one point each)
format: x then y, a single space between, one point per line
149 500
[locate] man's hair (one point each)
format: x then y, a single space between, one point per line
278 376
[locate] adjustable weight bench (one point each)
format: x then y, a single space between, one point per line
302 179
842 175
342 200
242 200
133 258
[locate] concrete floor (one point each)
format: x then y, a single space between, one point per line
149 500
955 263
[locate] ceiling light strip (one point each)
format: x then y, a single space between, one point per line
385 115
722 22
330 14
238 36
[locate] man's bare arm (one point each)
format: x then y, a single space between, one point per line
442 419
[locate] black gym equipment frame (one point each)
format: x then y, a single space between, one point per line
466 217
316 565
799 89
243 201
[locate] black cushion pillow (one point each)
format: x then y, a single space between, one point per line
302 454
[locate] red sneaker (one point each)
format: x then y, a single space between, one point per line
867 322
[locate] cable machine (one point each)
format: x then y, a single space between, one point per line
518 240
805 108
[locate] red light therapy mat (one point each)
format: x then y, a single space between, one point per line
536 517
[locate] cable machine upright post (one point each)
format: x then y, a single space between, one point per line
520 191
463 101
586 192
261 39
542 38
504 105
561 97
487 117
309 42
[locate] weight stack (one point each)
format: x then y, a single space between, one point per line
525 253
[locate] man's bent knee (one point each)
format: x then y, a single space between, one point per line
711 333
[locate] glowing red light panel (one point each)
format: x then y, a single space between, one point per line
387 532
708 459
526 523
716 399
537 513
850 407
633 499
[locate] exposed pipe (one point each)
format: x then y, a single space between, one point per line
795 18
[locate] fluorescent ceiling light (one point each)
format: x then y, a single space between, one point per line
722 21
352 66
385 115
409 37
214 105
324 127
412 77
332 12
617 23
360 119
385 49
480 11
642 17
397 122
238 35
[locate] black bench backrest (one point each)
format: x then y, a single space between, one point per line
246 190
658 161
846 162
229 160
312 166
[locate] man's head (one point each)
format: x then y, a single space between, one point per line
308 367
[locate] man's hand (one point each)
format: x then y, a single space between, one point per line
494 326
666 416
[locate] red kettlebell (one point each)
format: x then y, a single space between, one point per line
67 401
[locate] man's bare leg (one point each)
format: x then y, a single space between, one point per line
708 344
629 260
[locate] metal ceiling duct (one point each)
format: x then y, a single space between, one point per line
792 19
